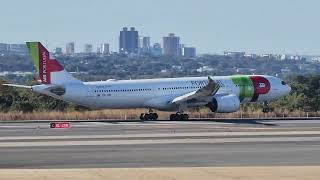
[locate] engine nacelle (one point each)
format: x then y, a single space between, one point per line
224 104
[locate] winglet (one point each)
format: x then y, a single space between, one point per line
212 85
210 79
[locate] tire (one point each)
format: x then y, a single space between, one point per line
184 117
176 117
265 110
156 116
153 116
147 116
173 117
142 117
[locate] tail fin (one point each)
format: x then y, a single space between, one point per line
50 71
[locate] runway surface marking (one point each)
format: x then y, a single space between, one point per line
197 134
159 141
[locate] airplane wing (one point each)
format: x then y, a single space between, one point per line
210 89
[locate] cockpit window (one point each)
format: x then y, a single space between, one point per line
283 83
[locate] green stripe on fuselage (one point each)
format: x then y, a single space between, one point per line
34 52
245 85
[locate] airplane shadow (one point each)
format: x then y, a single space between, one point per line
244 121
233 121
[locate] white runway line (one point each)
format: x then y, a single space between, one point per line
103 124
158 141
159 123
293 121
168 135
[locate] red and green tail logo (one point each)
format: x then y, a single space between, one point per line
43 63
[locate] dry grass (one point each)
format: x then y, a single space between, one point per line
135 114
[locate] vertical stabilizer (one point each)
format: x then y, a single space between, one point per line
50 71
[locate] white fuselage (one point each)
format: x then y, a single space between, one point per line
154 93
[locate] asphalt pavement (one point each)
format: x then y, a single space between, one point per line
160 144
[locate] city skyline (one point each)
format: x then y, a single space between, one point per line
286 26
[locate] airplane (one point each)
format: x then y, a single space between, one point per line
221 94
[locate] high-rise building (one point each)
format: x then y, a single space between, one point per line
88 48
171 45
105 48
129 40
58 50
181 49
156 49
189 52
70 48
144 45
146 42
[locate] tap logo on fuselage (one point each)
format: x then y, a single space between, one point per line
261 86
250 87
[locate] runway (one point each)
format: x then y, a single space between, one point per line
161 144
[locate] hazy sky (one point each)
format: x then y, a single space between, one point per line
254 26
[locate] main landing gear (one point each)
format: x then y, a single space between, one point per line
265 107
149 116
179 117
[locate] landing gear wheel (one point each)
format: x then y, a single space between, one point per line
154 116
266 108
179 117
173 117
142 116
148 116
185 117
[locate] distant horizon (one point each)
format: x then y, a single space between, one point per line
212 26
81 50
95 46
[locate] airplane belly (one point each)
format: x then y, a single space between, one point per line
120 102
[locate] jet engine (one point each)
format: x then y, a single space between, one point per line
224 104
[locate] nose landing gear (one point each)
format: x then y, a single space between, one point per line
265 107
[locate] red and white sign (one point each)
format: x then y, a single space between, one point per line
59 125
